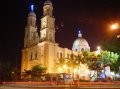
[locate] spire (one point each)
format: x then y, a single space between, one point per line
31 17
32 11
79 34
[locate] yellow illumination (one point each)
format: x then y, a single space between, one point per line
98 48
87 71
75 70
65 66
114 26
118 36
44 23
13 72
59 69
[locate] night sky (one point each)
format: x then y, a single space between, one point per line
92 17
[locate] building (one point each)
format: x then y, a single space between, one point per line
80 44
43 49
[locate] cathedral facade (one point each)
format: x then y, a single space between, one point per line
43 49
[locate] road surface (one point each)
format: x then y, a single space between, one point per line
14 86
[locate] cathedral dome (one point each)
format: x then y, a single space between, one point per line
48 2
80 44
32 14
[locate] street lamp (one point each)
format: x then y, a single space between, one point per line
98 50
115 26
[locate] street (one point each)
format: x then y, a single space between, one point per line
15 86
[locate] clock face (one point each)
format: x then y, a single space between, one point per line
47 10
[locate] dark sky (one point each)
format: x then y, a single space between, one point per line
92 17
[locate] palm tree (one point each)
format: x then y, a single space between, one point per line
60 64
73 62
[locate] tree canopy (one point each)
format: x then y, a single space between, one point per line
36 72
113 46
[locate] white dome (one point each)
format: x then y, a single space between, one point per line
80 44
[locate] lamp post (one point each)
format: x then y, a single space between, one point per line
13 75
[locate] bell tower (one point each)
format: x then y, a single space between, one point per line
31 35
47 30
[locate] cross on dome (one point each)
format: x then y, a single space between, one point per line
79 34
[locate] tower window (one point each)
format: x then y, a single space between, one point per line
76 50
60 55
57 54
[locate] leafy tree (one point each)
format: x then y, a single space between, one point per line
36 72
85 56
6 72
98 62
95 62
112 44
111 59
27 74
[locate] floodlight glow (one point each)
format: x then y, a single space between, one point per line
114 26
75 70
32 7
59 69
98 48
64 66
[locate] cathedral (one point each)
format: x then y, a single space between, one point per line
43 49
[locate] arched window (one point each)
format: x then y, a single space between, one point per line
60 55
82 49
57 54
76 50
